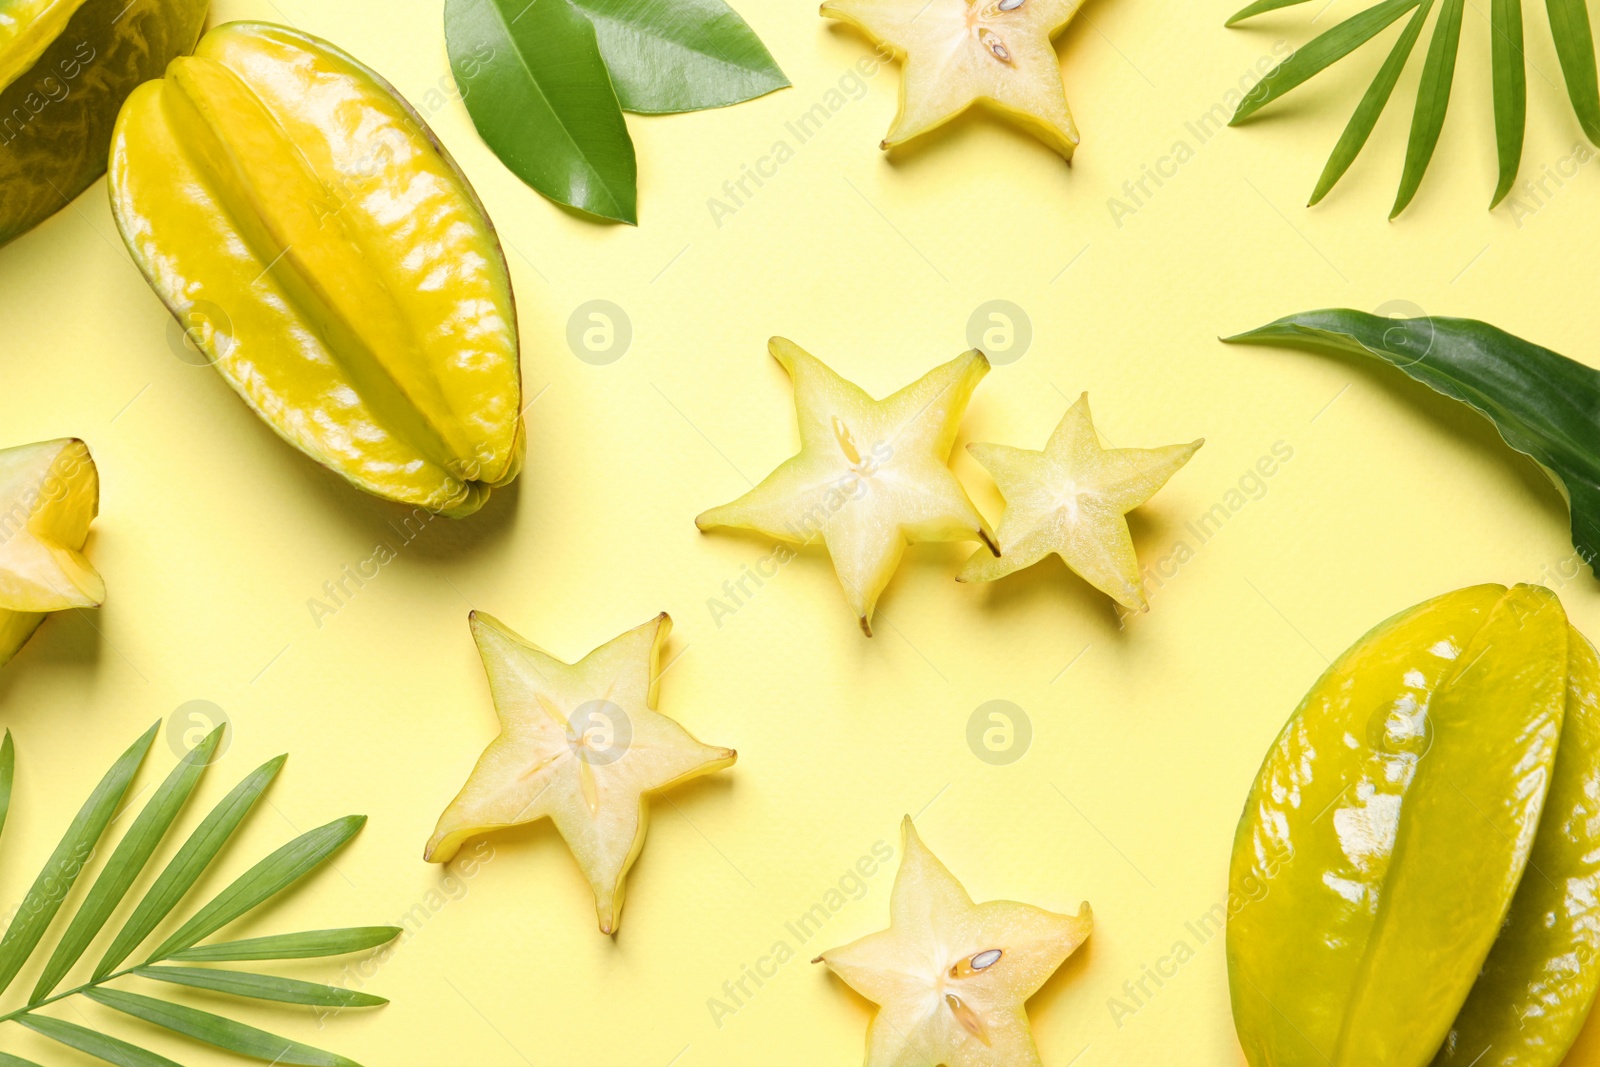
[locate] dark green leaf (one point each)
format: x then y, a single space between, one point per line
262 882
533 80
215 1030
186 867
1372 104
1323 51
61 870
308 945
1510 89
8 772
1569 25
1433 100
132 853
262 987
1543 403
681 55
97 1045
1258 8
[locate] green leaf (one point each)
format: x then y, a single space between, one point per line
61 870
215 1030
1258 8
1372 104
8 1060
262 987
1542 403
1569 25
1322 52
97 1045
1433 100
132 853
186 867
533 80
8 773
307 945
262 882
1510 90
681 55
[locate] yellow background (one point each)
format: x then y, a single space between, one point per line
214 535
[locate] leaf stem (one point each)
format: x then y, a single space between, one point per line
29 1009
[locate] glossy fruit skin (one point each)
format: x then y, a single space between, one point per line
1392 841
66 67
1538 984
327 255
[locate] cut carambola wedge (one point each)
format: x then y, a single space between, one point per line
581 744
871 475
49 494
951 977
1377 868
963 52
66 66
323 250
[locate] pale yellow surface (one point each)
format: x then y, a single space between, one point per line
213 535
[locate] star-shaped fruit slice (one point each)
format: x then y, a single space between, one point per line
950 977
871 476
49 494
580 743
961 52
1071 499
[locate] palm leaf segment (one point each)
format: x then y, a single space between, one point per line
1569 25
166 964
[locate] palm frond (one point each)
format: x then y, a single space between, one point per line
1574 40
111 887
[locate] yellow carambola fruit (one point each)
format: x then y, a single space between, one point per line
1071 500
959 53
871 475
951 977
580 743
66 66
1416 876
49 494
325 252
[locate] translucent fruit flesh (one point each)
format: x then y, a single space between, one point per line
961 52
581 744
951 977
871 475
49 494
1070 500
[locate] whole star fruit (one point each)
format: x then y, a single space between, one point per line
1416 876
325 253
66 66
